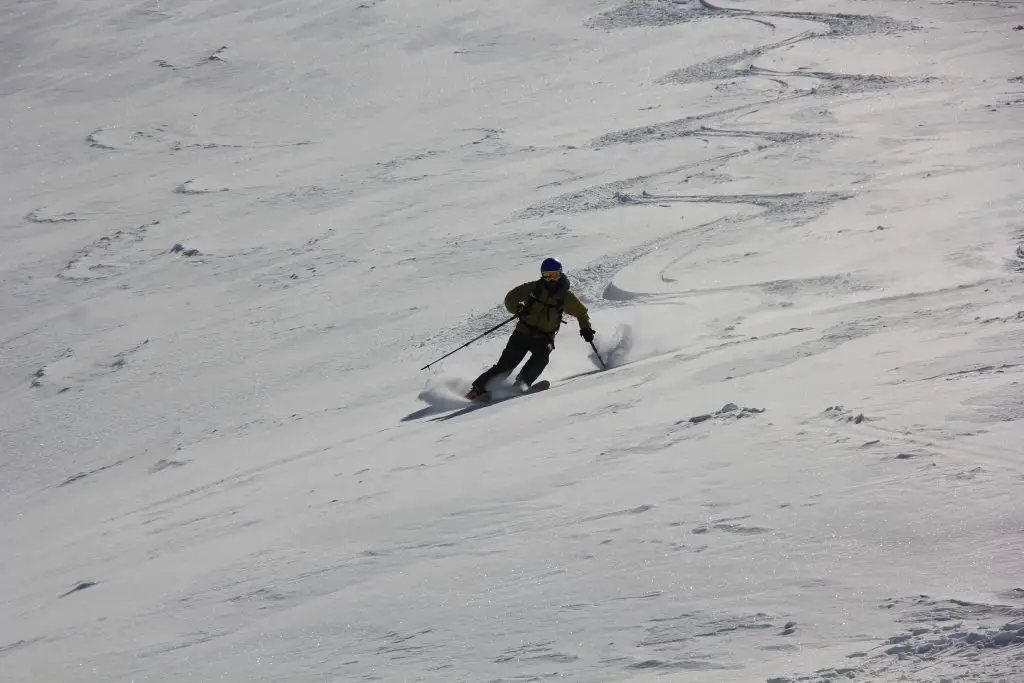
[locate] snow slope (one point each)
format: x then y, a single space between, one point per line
233 233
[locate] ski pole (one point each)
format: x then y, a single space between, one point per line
502 324
598 355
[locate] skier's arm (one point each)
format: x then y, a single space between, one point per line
575 308
518 295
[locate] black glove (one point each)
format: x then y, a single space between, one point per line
587 334
521 309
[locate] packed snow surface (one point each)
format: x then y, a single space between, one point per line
234 232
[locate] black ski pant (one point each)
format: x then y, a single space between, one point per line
519 344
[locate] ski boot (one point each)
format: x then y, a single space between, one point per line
476 394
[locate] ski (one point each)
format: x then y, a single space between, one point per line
487 399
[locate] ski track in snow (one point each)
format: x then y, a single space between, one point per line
792 208
800 247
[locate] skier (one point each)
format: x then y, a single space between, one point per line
539 306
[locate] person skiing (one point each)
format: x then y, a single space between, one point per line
539 306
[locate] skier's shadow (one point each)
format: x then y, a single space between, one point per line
460 412
434 410
450 411
421 413
431 410
473 407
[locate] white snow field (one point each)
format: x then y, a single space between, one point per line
234 232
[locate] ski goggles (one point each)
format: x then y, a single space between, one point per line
553 275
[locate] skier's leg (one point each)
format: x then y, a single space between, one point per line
515 350
540 352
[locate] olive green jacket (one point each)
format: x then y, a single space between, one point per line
541 315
